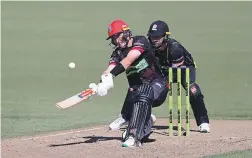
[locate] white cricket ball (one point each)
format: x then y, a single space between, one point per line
71 65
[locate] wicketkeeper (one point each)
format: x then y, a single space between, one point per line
134 55
172 54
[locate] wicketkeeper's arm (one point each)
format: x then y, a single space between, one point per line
177 56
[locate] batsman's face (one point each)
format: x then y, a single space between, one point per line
157 40
117 40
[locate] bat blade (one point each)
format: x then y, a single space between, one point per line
75 99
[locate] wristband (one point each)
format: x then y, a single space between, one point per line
118 69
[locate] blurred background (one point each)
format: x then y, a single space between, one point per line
39 39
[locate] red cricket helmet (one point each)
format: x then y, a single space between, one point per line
117 26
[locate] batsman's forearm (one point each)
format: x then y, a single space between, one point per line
130 58
121 67
110 67
126 62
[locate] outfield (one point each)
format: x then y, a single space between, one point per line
39 39
235 154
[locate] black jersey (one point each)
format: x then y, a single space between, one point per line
173 52
144 68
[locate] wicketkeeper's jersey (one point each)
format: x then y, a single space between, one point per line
174 51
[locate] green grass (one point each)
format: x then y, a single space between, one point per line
233 154
39 39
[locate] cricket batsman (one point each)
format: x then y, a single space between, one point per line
134 56
171 53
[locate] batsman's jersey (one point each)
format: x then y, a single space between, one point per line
144 68
174 49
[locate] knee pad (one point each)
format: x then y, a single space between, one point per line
145 93
195 90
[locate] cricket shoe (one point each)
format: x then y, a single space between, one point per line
131 142
153 118
147 131
119 122
144 139
204 128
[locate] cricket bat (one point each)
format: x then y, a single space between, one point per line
75 99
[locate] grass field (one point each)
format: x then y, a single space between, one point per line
234 154
39 39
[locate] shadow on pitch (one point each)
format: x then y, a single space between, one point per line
156 129
94 139
90 139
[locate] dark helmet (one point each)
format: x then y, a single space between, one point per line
158 28
158 33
